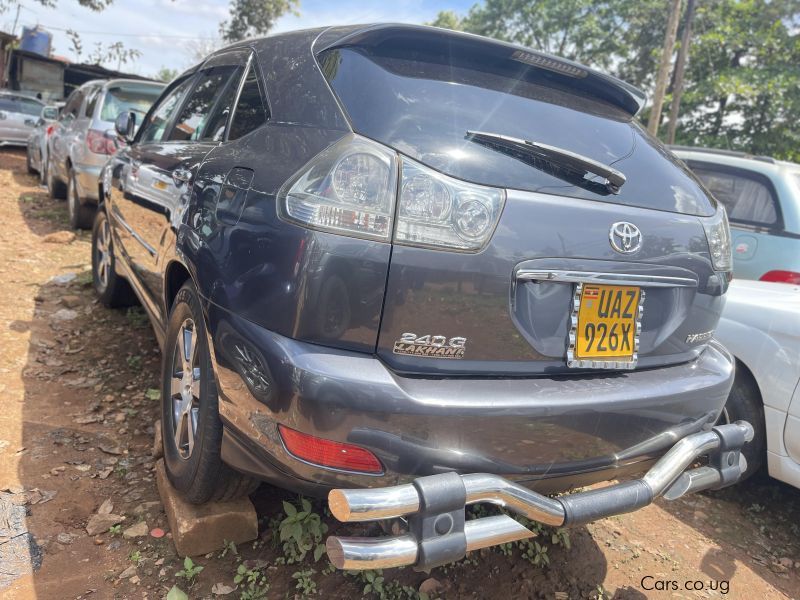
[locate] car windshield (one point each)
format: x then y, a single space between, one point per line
18 104
797 181
128 98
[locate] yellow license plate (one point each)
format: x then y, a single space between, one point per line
607 320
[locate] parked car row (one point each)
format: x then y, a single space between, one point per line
374 275
69 152
368 267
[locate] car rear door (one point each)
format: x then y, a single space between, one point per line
163 168
60 138
481 287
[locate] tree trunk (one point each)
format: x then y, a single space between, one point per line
680 69
663 68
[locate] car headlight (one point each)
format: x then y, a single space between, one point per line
718 234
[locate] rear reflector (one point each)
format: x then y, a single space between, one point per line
782 277
328 453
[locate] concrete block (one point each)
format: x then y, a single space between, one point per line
158 444
205 528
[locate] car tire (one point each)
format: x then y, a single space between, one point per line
191 425
81 215
112 289
745 404
55 187
28 164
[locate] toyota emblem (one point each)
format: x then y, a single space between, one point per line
625 237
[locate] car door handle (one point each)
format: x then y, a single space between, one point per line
181 176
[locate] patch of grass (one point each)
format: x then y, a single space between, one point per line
115 530
301 532
135 557
189 572
253 582
137 317
134 362
305 582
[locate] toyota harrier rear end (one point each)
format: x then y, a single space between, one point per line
443 270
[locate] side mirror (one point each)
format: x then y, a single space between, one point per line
50 113
125 126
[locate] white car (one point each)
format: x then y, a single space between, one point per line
761 327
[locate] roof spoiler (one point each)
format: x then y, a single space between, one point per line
582 78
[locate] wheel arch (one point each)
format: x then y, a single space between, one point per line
175 275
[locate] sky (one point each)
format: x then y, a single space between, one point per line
168 32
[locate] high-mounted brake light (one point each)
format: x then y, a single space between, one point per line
328 453
780 276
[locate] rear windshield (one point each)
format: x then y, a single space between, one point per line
422 101
129 97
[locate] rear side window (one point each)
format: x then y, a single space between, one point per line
250 113
73 106
91 103
747 196
214 129
422 99
128 97
154 129
196 110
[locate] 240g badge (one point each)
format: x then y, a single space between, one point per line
430 346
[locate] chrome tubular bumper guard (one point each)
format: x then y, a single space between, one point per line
434 505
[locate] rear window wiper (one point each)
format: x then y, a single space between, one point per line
568 165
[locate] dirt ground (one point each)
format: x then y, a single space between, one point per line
77 406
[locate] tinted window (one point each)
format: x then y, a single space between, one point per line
29 106
215 126
91 103
746 196
196 110
160 118
73 105
422 99
129 97
250 113
7 104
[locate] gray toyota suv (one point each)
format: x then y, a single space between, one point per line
415 269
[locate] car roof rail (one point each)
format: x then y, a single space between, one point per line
736 153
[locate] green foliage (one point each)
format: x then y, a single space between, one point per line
135 557
376 585
189 572
301 532
230 548
253 581
742 83
166 74
305 582
176 593
115 530
254 17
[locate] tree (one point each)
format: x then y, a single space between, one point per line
447 19
166 74
742 81
254 17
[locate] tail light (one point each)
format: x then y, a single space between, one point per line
779 276
352 188
718 235
328 453
99 142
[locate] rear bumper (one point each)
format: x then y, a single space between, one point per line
87 177
550 434
438 532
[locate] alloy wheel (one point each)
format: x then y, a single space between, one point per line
185 389
103 253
